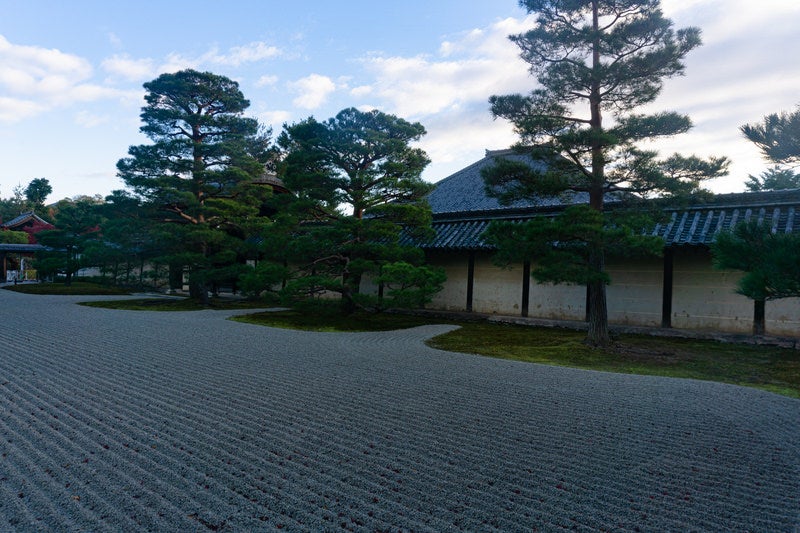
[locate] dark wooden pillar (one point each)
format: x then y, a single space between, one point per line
666 289
759 317
526 287
470 280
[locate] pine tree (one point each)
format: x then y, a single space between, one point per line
357 185
596 62
197 173
770 262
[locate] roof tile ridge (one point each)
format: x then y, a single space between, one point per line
489 154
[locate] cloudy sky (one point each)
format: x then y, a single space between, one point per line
71 74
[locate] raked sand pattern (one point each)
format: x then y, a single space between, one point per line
143 421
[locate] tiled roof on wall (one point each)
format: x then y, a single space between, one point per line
462 210
689 225
699 225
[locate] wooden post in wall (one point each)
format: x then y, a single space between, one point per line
666 292
470 280
759 317
526 287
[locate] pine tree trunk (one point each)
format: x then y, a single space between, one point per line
597 334
351 285
199 291
598 311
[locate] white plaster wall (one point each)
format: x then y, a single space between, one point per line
635 293
557 302
783 317
703 298
453 296
497 290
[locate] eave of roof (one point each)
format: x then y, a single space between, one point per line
22 218
687 225
22 248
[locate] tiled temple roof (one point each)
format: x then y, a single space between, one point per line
22 248
464 191
690 225
462 211
16 221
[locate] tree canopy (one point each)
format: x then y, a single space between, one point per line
773 179
76 225
770 262
596 62
777 136
37 192
197 173
356 183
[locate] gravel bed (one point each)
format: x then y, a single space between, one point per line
145 421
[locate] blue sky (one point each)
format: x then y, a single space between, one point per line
71 74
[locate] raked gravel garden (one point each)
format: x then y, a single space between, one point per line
117 420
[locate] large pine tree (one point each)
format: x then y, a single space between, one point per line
197 172
357 185
596 62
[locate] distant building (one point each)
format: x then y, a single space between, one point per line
16 259
29 222
680 289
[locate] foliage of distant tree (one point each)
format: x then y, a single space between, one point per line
195 179
777 136
608 58
37 192
13 237
770 262
356 187
76 226
28 198
773 179
12 206
125 244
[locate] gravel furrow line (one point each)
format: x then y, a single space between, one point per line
44 495
153 468
79 451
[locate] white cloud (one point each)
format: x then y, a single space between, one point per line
90 120
449 92
468 69
313 91
275 119
175 62
742 72
137 69
36 79
128 68
265 81
15 109
361 90
458 138
249 53
30 69
42 61
114 39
